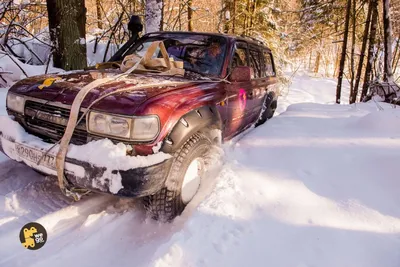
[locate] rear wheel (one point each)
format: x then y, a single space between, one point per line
267 112
183 180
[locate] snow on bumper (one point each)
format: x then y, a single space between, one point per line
99 165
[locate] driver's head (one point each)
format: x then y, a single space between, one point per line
214 49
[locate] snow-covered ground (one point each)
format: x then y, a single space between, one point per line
317 185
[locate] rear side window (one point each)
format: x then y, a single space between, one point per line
269 65
255 62
240 56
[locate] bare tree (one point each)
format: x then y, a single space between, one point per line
233 16
344 49
253 14
98 13
190 15
372 37
387 25
226 13
247 18
353 47
353 96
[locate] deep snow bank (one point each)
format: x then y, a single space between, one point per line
308 189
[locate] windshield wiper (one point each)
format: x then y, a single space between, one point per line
195 71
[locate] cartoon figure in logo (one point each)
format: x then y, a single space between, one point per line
48 82
29 241
33 236
242 99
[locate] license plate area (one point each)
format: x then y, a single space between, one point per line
34 155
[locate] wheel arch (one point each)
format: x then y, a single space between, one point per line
201 119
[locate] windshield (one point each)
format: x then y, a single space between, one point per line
201 54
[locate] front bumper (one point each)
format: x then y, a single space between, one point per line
136 182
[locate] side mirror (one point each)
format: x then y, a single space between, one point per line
241 74
135 25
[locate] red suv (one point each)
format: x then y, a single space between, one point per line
228 85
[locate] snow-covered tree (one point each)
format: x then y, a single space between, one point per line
153 15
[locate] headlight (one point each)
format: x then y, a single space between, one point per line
110 125
135 129
145 128
16 103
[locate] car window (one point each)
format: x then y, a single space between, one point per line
269 66
240 56
200 53
255 62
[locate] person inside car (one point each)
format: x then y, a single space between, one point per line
212 59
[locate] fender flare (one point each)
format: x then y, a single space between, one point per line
205 117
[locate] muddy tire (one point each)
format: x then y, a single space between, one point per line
267 112
179 188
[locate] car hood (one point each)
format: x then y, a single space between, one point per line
66 86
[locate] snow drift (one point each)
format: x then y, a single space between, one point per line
317 185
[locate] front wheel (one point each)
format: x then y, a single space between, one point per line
183 180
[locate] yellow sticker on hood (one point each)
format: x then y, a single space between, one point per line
48 82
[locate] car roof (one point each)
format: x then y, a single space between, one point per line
249 40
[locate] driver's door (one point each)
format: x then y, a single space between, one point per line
239 95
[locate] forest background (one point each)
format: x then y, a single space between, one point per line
344 39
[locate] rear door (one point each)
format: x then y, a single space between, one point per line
262 84
258 83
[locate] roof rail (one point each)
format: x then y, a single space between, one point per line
254 39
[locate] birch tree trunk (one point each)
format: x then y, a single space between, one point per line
343 56
153 15
387 24
67 22
372 37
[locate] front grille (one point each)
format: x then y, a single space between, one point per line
52 126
